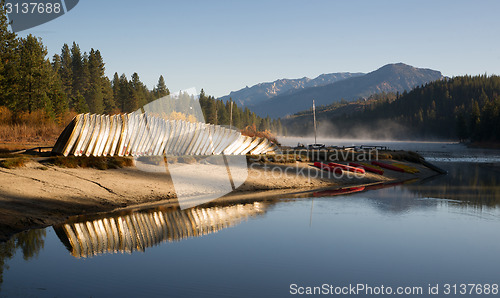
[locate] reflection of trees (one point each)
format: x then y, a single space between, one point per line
473 183
30 242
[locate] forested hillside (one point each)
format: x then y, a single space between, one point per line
463 108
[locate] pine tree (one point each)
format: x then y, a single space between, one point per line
79 103
58 96
35 73
66 72
124 95
138 93
95 93
211 111
161 89
78 82
9 59
115 85
108 97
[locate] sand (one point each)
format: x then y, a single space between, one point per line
39 195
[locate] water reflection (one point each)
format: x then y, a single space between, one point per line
30 243
476 184
87 236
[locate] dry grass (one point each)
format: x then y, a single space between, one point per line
14 162
251 131
36 127
101 163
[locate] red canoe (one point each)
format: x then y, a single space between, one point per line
328 168
347 168
387 166
367 168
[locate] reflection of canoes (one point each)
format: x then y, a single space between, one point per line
338 191
387 166
347 168
368 168
391 184
136 231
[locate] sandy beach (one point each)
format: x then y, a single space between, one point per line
40 194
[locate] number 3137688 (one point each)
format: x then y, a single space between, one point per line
32 8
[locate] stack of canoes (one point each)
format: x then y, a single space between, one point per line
140 134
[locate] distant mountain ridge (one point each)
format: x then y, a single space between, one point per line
261 92
389 78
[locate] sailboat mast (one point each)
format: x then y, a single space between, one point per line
314 116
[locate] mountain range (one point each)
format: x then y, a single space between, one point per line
286 97
250 96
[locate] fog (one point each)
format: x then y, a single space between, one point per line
381 130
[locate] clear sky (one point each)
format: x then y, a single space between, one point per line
223 46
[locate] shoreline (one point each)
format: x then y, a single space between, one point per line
40 195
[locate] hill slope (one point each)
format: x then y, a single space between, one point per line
464 108
389 78
261 92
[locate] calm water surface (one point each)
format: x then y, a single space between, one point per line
442 230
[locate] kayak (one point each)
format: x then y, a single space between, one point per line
347 168
368 168
327 167
406 168
387 166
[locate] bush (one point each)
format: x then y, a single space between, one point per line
101 163
13 162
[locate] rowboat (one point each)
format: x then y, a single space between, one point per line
168 144
85 135
202 135
94 135
252 145
121 147
109 140
74 136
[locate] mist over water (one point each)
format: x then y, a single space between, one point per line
379 130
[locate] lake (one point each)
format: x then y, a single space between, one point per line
439 235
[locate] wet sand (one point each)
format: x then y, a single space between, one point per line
39 195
